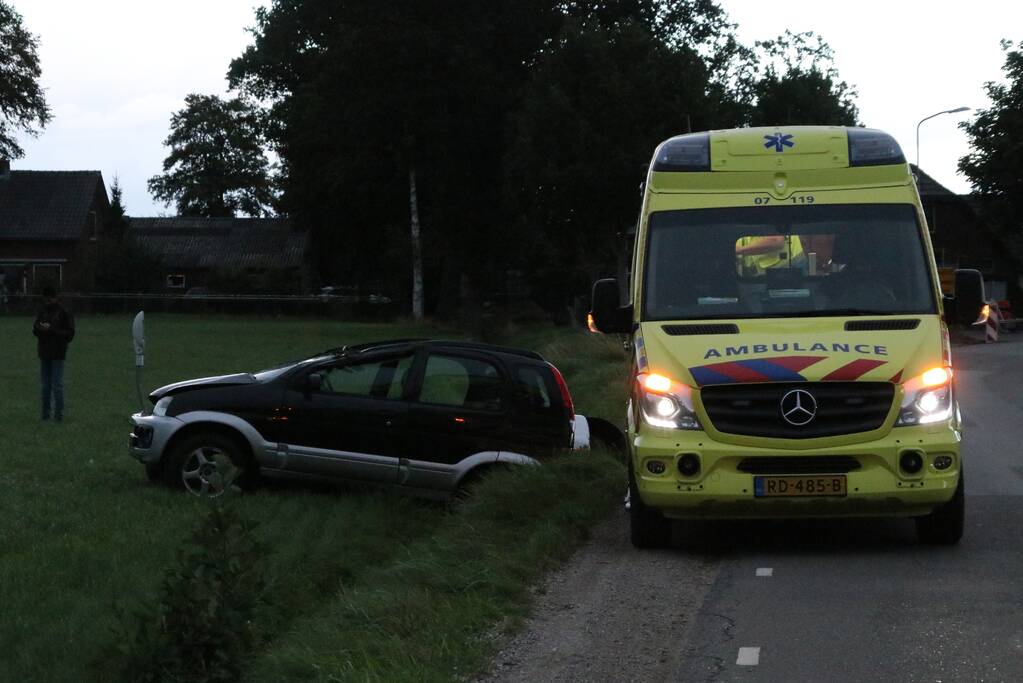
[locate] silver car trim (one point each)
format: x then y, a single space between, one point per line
265 452
342 464
165 427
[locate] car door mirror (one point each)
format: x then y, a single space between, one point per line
969 296
313 382
607 312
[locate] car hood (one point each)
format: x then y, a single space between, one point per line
202 383
791 349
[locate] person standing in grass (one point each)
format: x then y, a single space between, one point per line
55 328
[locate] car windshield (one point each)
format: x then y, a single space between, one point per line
806 260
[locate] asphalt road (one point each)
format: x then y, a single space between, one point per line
856 600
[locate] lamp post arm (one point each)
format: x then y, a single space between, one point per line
928 118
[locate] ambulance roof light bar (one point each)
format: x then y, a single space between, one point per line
690 152
869 147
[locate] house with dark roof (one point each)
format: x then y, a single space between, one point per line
227 255
50 226
960 238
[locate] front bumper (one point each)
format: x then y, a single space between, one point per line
150 435
720 491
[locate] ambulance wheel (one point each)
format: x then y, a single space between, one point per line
648 528
944 526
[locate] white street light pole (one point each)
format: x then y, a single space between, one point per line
947 111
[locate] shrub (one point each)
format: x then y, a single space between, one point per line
204 622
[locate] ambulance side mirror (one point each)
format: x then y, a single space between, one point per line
969 297
609 315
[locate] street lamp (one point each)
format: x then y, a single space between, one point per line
947 111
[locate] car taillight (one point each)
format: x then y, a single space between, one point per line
566 397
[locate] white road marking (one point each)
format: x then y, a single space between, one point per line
748 656
765 571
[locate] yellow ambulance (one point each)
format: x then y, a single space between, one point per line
791 345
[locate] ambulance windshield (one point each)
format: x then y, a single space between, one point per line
784 261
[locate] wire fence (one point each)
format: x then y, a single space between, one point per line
346 307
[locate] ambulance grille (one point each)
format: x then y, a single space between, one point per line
706 328
878 325
755 409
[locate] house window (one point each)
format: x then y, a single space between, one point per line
44 274
175 281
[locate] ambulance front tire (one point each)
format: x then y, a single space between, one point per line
648 528
944 526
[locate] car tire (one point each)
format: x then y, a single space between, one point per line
208 464
648 528
944 526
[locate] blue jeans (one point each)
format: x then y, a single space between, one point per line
51 378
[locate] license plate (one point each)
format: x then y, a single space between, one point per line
830 485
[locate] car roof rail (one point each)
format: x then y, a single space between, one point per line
509 350
389 344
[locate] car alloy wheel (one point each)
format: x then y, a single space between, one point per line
208 471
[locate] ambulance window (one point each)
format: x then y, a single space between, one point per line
751 262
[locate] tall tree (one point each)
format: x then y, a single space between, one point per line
995 162
799 84
597 103
217 165
22 102
123 264
522 125
117 219
366 91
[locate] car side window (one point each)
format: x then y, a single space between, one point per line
462 383
375 379
531 385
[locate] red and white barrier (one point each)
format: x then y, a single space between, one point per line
991 324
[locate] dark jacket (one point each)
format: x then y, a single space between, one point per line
53 341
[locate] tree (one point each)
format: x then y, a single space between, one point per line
123 264
515 131
800 84
597 103
117 220
217 166
22 102
995 163
365 93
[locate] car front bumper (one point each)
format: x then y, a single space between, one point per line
878 487
149 436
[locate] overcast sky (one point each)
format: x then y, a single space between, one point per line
115 70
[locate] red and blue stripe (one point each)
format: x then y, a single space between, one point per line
781 369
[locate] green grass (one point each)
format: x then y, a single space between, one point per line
367 585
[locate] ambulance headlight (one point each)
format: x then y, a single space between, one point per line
666 403
927 398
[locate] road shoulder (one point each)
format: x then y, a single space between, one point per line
613 613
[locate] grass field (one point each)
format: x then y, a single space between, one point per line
365 585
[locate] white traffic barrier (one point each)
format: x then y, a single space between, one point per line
991 325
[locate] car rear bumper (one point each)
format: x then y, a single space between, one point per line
149 436
724 487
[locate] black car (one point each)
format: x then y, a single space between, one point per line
422 415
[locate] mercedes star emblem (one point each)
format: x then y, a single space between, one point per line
798 407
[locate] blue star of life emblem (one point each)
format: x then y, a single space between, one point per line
778 141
